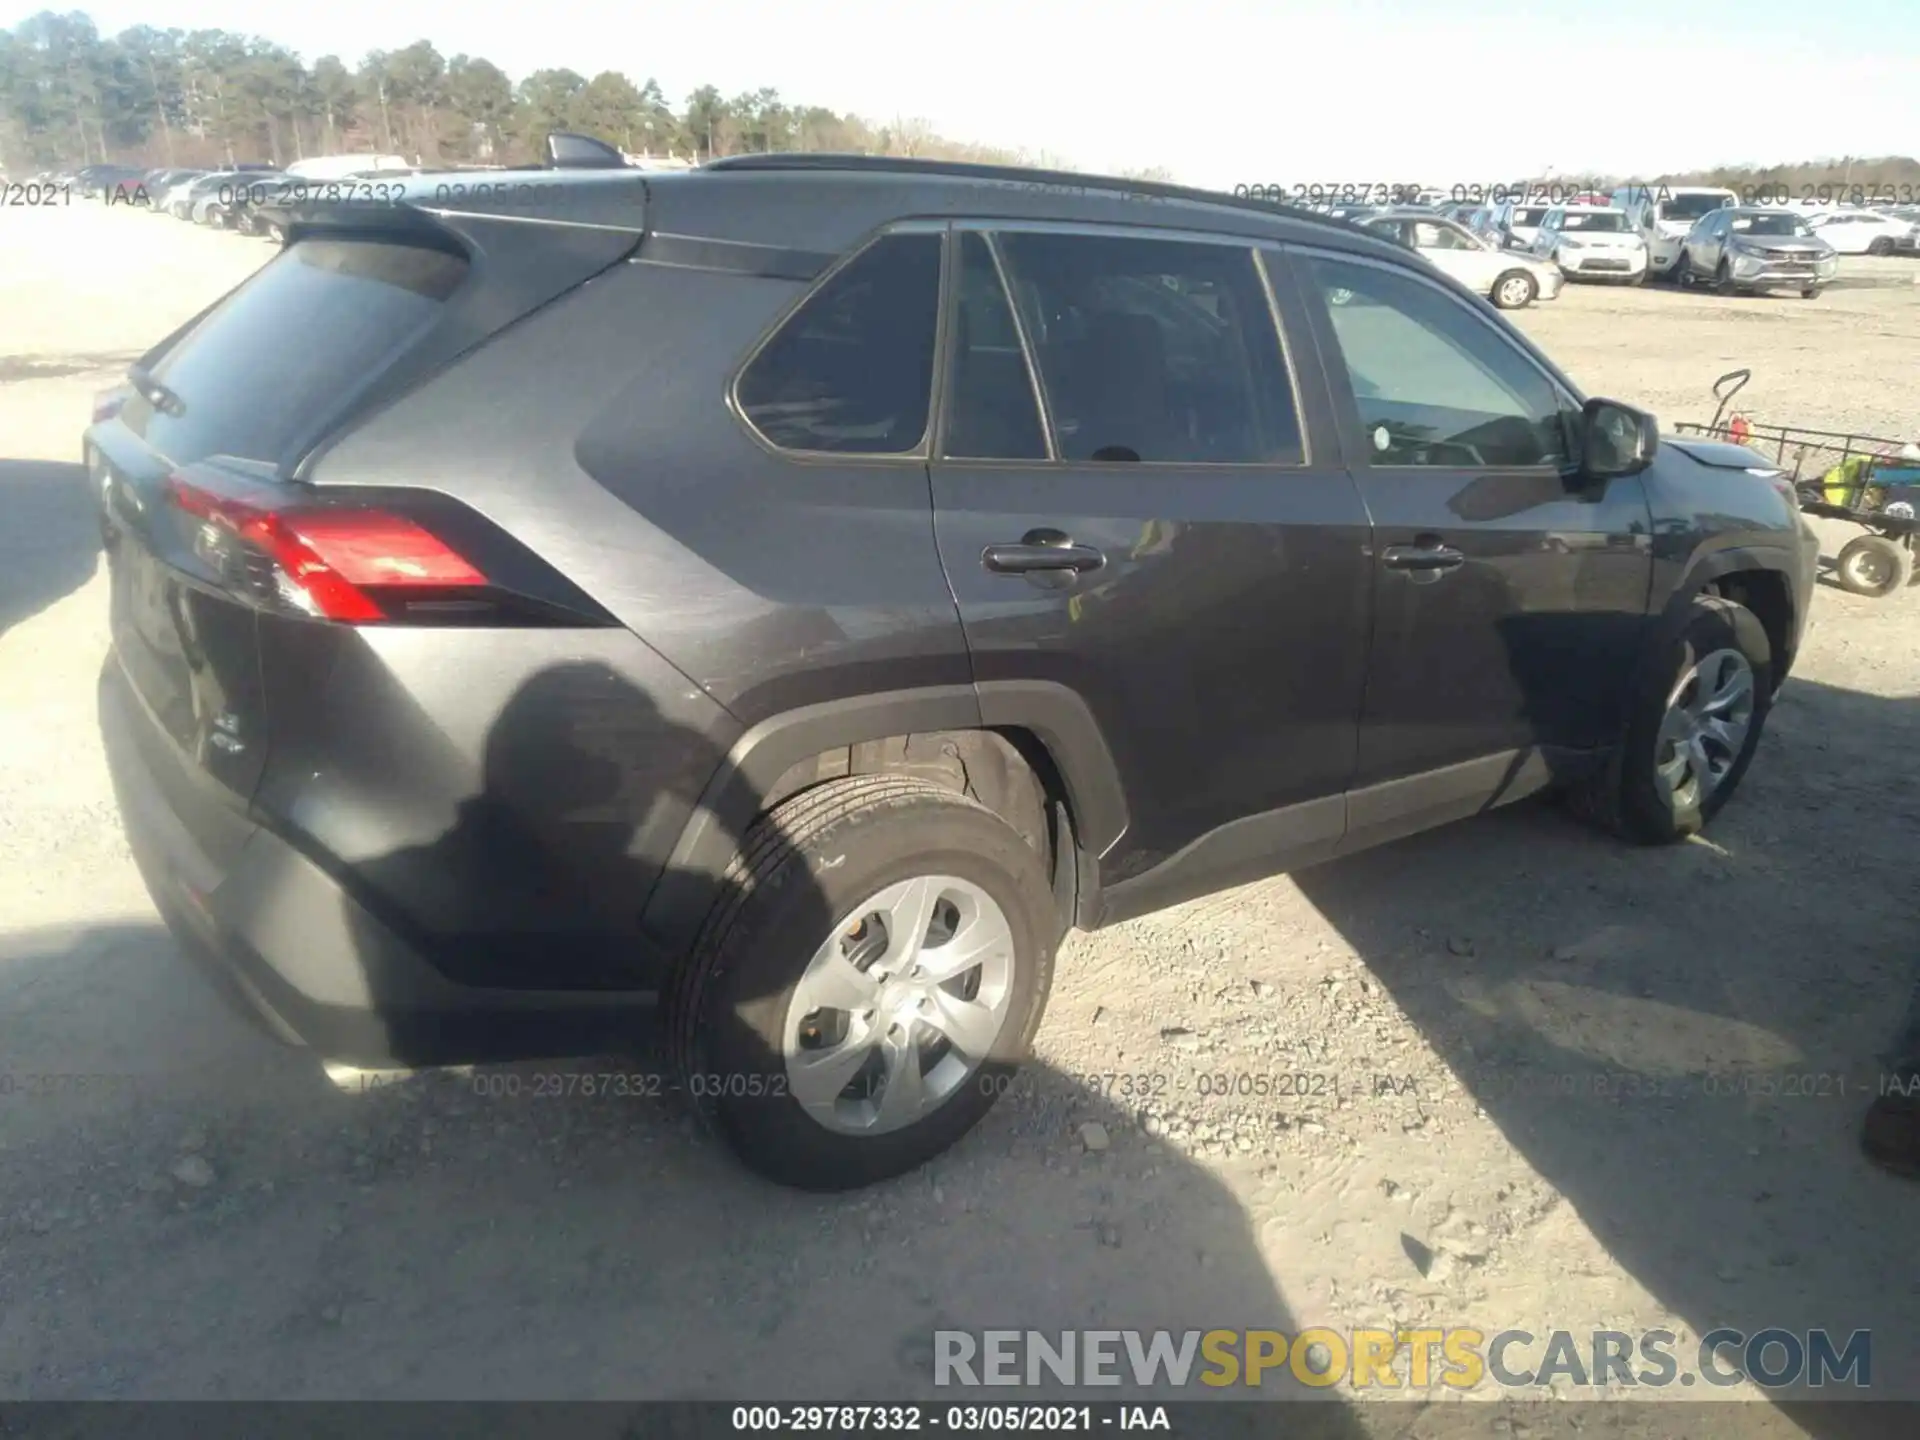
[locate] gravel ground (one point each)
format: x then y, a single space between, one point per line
1508 1074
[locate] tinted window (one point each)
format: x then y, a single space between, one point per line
1611 221
1769 225
1154 349
1692 207
1431 235
852 370
296 340
1434 385
993 414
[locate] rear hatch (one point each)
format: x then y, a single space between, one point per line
224 568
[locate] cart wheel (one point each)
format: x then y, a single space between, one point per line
1874 565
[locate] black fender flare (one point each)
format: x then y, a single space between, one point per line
1703 569
1058 717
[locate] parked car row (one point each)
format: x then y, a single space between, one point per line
1685 235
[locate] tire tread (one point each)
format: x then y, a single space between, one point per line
771 842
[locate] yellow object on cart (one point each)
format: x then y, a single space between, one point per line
1841 484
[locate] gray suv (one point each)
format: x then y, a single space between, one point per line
789 596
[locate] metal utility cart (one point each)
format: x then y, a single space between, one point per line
1861 478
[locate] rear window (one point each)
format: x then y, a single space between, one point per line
298 339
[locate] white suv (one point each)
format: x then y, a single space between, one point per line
1592 242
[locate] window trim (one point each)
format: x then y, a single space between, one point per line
920 453
993 228
1340 381
950 309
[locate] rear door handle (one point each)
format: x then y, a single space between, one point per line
1041 550
1427 558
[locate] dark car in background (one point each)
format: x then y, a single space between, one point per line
104 182
775 602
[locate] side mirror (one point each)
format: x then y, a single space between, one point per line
1615 440
567 151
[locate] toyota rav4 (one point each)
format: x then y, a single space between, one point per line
790 595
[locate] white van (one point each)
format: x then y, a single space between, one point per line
338 167
1663 214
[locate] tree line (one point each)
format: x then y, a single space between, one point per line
70 95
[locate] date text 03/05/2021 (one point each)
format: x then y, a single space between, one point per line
1008 1419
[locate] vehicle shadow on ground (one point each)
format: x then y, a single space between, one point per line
1686 1053
211 1219
49 540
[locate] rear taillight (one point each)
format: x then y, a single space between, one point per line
338 562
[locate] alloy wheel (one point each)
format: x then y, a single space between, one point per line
1701 738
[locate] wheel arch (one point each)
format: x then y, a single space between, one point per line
1029 750
1755 577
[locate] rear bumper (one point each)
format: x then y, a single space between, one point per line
288 943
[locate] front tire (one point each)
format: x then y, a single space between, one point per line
868 983
1881 247
1515 290
1723 279
1873 566
1693 724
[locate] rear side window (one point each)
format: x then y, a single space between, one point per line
291 344
1154 350
851 371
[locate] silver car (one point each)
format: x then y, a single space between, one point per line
1508 278
1753 248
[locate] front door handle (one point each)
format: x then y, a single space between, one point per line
1428 558
1039 551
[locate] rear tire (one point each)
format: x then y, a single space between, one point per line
809 879
1629 797
1874 566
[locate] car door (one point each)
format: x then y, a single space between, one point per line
1509 599
1549 232
1137 499
1708 242
1453 252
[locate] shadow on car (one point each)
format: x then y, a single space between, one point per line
49 540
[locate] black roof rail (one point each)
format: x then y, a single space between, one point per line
969 170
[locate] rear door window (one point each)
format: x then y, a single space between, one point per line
296 341
1154 350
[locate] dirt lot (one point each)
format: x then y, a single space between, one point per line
207 1217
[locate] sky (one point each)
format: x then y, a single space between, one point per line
1221 92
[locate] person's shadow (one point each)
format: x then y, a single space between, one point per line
1681 1041
508 1232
